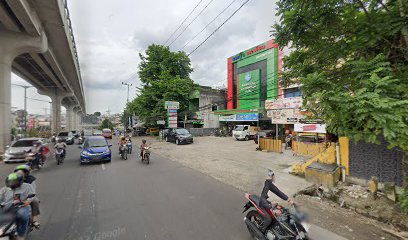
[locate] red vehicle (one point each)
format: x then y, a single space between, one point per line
286 224
107 133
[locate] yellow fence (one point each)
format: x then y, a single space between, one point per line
269 144
309 149
327 156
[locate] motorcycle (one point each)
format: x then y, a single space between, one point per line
146 155
123 151
288 224
80 140
129 146
8 223
59 155
35 161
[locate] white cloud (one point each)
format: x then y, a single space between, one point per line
110 35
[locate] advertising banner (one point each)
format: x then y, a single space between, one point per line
247 117
228 118
171 105
172 118
295 102
285 116
312 128
249 90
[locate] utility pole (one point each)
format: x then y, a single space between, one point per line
25 104
127 101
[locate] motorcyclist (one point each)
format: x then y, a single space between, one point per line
61 144
122 141
17 191
142 146
25 171
265 205
39 151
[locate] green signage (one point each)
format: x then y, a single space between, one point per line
249 90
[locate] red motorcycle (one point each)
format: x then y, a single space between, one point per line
288 224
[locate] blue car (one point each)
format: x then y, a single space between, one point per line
95 149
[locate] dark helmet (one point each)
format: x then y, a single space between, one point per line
14 180
144 141
123 138
26 169
59 140
270 173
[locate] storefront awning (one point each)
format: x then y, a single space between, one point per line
237 111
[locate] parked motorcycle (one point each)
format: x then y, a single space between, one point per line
123 151
129 146
59 155
80 140
146 155
288 224
8 224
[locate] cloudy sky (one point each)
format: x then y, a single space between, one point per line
111 34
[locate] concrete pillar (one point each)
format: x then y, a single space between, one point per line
5 103
13 44
70 117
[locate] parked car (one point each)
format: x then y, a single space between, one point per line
164 132
67 137
95 149
107 133
17 151
97 133
262 134
179 136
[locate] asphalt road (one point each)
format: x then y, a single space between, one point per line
126 199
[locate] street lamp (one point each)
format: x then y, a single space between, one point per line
128 86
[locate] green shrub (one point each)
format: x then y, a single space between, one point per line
404 201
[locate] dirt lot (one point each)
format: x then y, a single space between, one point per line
237 163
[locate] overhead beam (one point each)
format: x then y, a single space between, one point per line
23 73
7 20
46 69
26 16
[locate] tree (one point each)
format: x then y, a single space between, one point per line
160 60
165 77
98 114
351 59
106 124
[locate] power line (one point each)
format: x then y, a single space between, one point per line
191 22
218 28
181 24
208 24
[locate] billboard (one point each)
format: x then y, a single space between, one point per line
263 61
249 93
281 103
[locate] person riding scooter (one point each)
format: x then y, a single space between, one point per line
38 152
265 205
61 145
142 146
16 191
122 141
35 203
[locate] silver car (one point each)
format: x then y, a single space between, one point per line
17 151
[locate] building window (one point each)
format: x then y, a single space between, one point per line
293 92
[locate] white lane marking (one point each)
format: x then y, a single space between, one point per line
103 166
